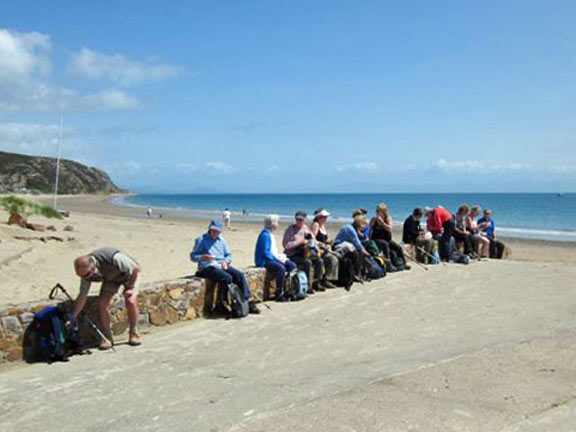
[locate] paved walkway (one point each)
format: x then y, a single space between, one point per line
488 347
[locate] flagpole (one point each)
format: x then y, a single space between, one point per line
58 162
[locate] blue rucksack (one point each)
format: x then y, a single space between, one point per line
297 285
55 343
372 269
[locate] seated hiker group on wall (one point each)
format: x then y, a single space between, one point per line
310 260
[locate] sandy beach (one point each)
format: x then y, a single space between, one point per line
489 346
31 267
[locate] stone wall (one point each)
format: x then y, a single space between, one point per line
162 303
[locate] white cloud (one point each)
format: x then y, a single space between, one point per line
25 66
41 139
359 167
187 167
118 68
468 166
219 167
23 55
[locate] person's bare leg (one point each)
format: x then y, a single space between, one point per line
104 301
132 309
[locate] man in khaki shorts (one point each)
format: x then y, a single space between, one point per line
113 268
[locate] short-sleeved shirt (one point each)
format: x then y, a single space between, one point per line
124 262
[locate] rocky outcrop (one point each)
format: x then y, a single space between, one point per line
35 174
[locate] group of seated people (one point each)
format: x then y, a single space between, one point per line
310 249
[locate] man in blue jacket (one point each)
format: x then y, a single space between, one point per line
214 259
266 255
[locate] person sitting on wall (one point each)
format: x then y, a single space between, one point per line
114 269
381 232
486 224
348 241
441 224
461 234
214 259
413 234
320 233
300 246
267 256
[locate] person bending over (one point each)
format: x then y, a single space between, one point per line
348 241
214 259
441 224
267 256
114 269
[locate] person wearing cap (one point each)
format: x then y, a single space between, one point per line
441 224
300 246
381 232
266 256
114 269
323 243
214 259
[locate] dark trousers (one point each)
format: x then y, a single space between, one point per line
225 278
496 248
279 270
444 247
467 240
314 269
387 246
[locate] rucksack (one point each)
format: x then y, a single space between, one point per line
55 342
346 271
373 270
233 302
459 258
297 285
396 261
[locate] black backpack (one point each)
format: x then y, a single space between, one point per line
346 273
232 302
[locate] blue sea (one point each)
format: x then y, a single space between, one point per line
534 216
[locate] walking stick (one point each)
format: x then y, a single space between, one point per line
414 259
428 255
52 295
260 300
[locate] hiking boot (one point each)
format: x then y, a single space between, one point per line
407 266
282 299
253 309
105 345
328 284
134 339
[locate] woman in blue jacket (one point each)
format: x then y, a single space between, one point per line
267 256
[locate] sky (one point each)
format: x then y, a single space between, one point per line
297 95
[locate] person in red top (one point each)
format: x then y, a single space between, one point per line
441 224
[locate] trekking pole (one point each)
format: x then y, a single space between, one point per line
428 255
260 300
52 295
414 259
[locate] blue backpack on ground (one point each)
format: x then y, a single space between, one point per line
372 269
55 343
297 285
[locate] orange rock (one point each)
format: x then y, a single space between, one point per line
17 219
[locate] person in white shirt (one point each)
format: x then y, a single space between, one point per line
226 216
